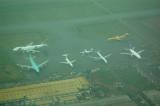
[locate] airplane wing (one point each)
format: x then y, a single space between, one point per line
107 56
42 64
73 61
25 66
140 51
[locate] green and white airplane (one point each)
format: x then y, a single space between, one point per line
34 65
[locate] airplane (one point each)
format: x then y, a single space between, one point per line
67 61
118 37
132 52
34 65
29 48
85 51
101 57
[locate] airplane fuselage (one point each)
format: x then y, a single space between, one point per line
33 63
85 51
33 47
29 47
120 37
102 57
135 53
69 62
39 46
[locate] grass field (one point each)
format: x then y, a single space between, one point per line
60 88
69 26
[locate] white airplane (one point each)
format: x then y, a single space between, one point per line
34 65
67 61
101 57
29 48
85 51
132 52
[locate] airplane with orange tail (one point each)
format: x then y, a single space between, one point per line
118 37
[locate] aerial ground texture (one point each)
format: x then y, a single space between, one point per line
69 26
